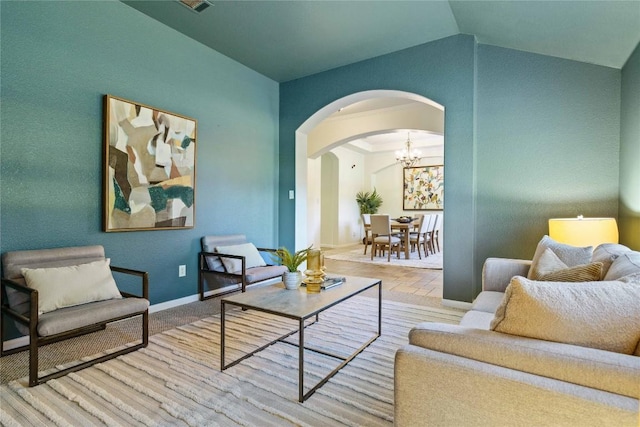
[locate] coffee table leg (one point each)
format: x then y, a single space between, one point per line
301 362
222 309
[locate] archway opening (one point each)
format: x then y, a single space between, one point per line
326 131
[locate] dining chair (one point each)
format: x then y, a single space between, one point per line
436 232
421 237
366 223
382 237
432 232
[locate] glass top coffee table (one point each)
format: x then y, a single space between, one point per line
299 305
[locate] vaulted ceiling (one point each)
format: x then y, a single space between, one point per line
286 40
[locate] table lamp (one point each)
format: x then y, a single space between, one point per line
582 231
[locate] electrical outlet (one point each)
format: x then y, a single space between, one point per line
182 270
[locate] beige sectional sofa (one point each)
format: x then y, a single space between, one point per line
471 375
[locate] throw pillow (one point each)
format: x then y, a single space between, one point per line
579 273
247 250
570 255
603 315
627 263
551 268
61 287
606 253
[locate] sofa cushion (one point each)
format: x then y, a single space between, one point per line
567 254
603 315
487 301
606 253
247 250
69 318
477 319
60 287
626 264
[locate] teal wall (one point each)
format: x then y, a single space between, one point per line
58 60
442 71
548 146
527 137
629 221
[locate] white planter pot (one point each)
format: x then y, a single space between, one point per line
292 280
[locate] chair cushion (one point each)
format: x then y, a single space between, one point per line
67 319
385 240
567 254
599 314
60 287
247 250
258 274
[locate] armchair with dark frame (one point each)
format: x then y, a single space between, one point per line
21 303
213 271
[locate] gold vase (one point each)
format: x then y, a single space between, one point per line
315 271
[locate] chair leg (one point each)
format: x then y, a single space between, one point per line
418 245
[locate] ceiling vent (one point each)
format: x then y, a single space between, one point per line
196 5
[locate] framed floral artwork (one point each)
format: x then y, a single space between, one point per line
423 188
149 167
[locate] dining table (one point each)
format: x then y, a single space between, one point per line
405 228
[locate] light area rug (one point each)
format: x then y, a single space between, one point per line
177 380
433 261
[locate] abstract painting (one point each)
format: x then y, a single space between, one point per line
423 188
149 167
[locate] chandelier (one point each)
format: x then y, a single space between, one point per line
408 157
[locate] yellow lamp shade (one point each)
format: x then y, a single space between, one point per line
583 231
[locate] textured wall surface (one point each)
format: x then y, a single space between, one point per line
527 138
58 60
629 221
548 147
442 71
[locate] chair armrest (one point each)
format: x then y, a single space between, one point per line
33 302
142 274
497 272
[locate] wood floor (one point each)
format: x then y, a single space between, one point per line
404 284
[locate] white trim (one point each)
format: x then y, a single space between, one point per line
456 304
173 303
15 343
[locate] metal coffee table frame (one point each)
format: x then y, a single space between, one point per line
302 396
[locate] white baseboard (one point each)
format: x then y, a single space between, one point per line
173 303
456 304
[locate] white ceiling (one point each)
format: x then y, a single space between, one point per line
286 40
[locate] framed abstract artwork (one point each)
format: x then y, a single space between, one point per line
149 167
423 188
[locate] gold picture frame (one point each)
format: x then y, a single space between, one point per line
149 167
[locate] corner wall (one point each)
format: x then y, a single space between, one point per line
629 220
548 147
528 137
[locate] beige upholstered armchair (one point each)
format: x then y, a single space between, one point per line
56 294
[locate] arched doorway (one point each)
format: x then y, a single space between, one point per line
306 207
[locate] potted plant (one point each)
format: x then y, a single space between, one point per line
293 277
369 202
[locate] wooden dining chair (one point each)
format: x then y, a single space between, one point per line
421 237
366 223
432 232
382 238
436 233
